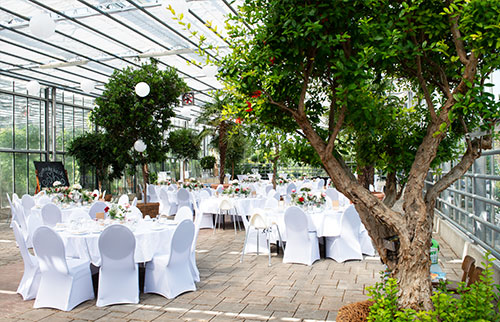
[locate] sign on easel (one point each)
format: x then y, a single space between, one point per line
49 172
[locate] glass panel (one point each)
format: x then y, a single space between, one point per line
21 117
6 182
35 117
68 126
6 121
32 174
69 166
60 128
21 173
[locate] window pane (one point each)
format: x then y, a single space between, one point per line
6 121
35 119
5 177
21 173
21 117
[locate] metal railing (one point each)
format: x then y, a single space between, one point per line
472 203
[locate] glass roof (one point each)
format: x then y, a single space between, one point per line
95 37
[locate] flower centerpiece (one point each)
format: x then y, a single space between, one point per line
75 193
245 191
306 198
118 212
251 179
192 184
282 181
165 182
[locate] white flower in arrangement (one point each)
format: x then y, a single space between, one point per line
56 183
235 182
169 178
77 186
307 185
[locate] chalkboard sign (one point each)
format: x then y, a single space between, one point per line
49 172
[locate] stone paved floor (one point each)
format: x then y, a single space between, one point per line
228 291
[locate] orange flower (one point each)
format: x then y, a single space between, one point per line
238 120
256 94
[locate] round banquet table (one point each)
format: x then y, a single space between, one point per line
150 237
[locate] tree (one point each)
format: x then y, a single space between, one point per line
299 54
237 146
91 150
185 144
127 117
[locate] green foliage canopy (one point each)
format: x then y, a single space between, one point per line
184 143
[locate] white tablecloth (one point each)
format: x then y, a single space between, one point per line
150 237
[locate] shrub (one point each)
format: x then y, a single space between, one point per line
475 303
207 162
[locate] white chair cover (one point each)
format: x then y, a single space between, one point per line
64 283
123 200
170 274
346 246
207 190
28 287
269 187
332 193
182 214
197 225
79 215
183 198
166 208
134 214
366 242
301 245
51 215
134 202
290 188
96 207
28 202
18 216
321 183
43 200
152 194
11 210
118 274
204 195
219 189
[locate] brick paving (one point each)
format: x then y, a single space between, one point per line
228 291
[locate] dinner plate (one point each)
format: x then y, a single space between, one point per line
78 232
157 227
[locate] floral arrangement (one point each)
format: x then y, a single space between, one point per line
282 181
236 190
191 184
250 179
235 182
165 182
117 211
75 193
308 198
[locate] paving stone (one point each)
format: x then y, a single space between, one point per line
36 314
144 315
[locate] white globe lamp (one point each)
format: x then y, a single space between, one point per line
142 89
87 85
33 87
42 26
140 146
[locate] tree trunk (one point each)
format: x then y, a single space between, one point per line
275 172
222 150
365 175
232 170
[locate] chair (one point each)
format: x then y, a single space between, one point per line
208 190
166 207
19 217
28 287
301 245
467 267
152 195
365 242
183 198
51 215
346 246
291 187
474 275
219 189
228 177
64 282
321 184
269 187
261 229
182 214
204 195
11 210
169 274
332 193
28 202
134 214
43 200
96 207
134 202
118 274
225 208
197 225
79 215
123 200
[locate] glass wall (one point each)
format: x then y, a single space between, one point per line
28 132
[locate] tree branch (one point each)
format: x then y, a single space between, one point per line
427 95
280 105
336 130
457 40
472 153
307 73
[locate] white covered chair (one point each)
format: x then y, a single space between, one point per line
43 200
134 202
28 202
183 213
96 207
332 193
19 217
64 282
11 210
301 245
197 225
51 215
183 198
123 200
166 207
207 219
134 214
208 190
118 274
28 287
79 215
169 274
366 242
346 246
291 187
268 188
321 184
152 194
